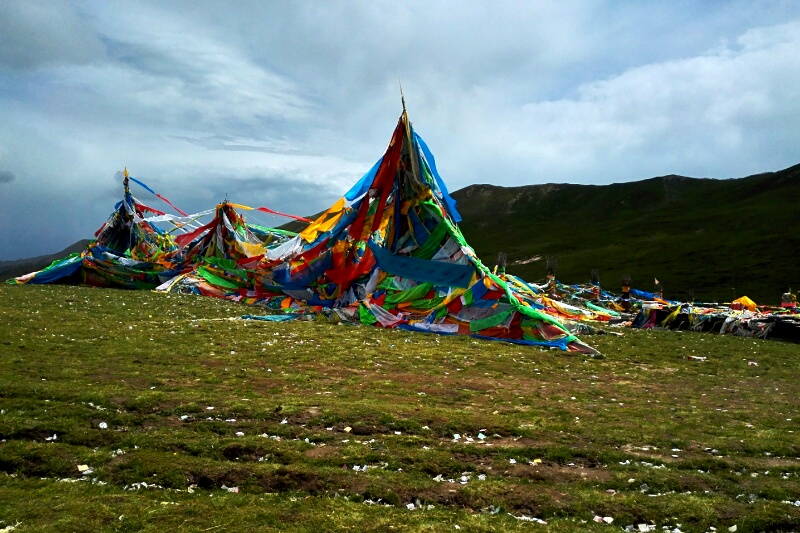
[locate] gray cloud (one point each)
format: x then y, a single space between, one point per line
6 176
234 144
36 33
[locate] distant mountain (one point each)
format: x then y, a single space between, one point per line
13 269
704 237
298 225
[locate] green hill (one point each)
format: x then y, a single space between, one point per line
19 267
702 237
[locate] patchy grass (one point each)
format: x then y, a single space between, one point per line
321 426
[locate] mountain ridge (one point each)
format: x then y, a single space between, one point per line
19 267
704 237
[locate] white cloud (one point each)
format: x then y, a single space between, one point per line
286 105
715 111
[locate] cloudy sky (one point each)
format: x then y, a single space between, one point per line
285 104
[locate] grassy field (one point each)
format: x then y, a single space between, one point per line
134 411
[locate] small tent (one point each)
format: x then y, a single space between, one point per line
744 303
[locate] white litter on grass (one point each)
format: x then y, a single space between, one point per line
54 437
230 489
240 434
7 529
142 485
102 425
528 519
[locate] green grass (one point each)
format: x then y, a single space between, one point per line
296 406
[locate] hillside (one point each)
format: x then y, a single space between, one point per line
12 269
710 238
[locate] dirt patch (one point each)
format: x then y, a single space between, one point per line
163 422
288 479
779 462
323 452
530 500
266 386
503 442
234 452
34 434
369 429
561 474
